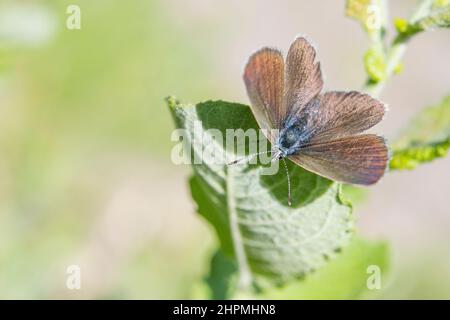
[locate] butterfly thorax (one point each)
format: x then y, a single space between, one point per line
294 133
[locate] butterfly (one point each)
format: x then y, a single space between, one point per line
317 131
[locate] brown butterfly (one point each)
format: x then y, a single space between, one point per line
318 131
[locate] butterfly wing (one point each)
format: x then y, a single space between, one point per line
303 76
358 159
264 80
340 114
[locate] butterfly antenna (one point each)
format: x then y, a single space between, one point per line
288 180
246 158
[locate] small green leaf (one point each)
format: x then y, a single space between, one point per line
401 25
437 18
374 62
249 210
343 278
426 138
370 13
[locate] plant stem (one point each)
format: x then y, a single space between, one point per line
397 50
394 56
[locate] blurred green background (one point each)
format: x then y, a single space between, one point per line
85 170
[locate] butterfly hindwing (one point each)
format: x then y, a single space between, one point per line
358 159
341 114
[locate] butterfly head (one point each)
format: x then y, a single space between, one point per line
277 154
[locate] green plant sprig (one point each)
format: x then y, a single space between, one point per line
381 61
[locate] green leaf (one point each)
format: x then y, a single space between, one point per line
343 278
249 210
426 138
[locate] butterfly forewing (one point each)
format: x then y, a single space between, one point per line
264 80
357 159
342 114
303 76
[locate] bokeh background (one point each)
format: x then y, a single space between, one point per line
85 170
